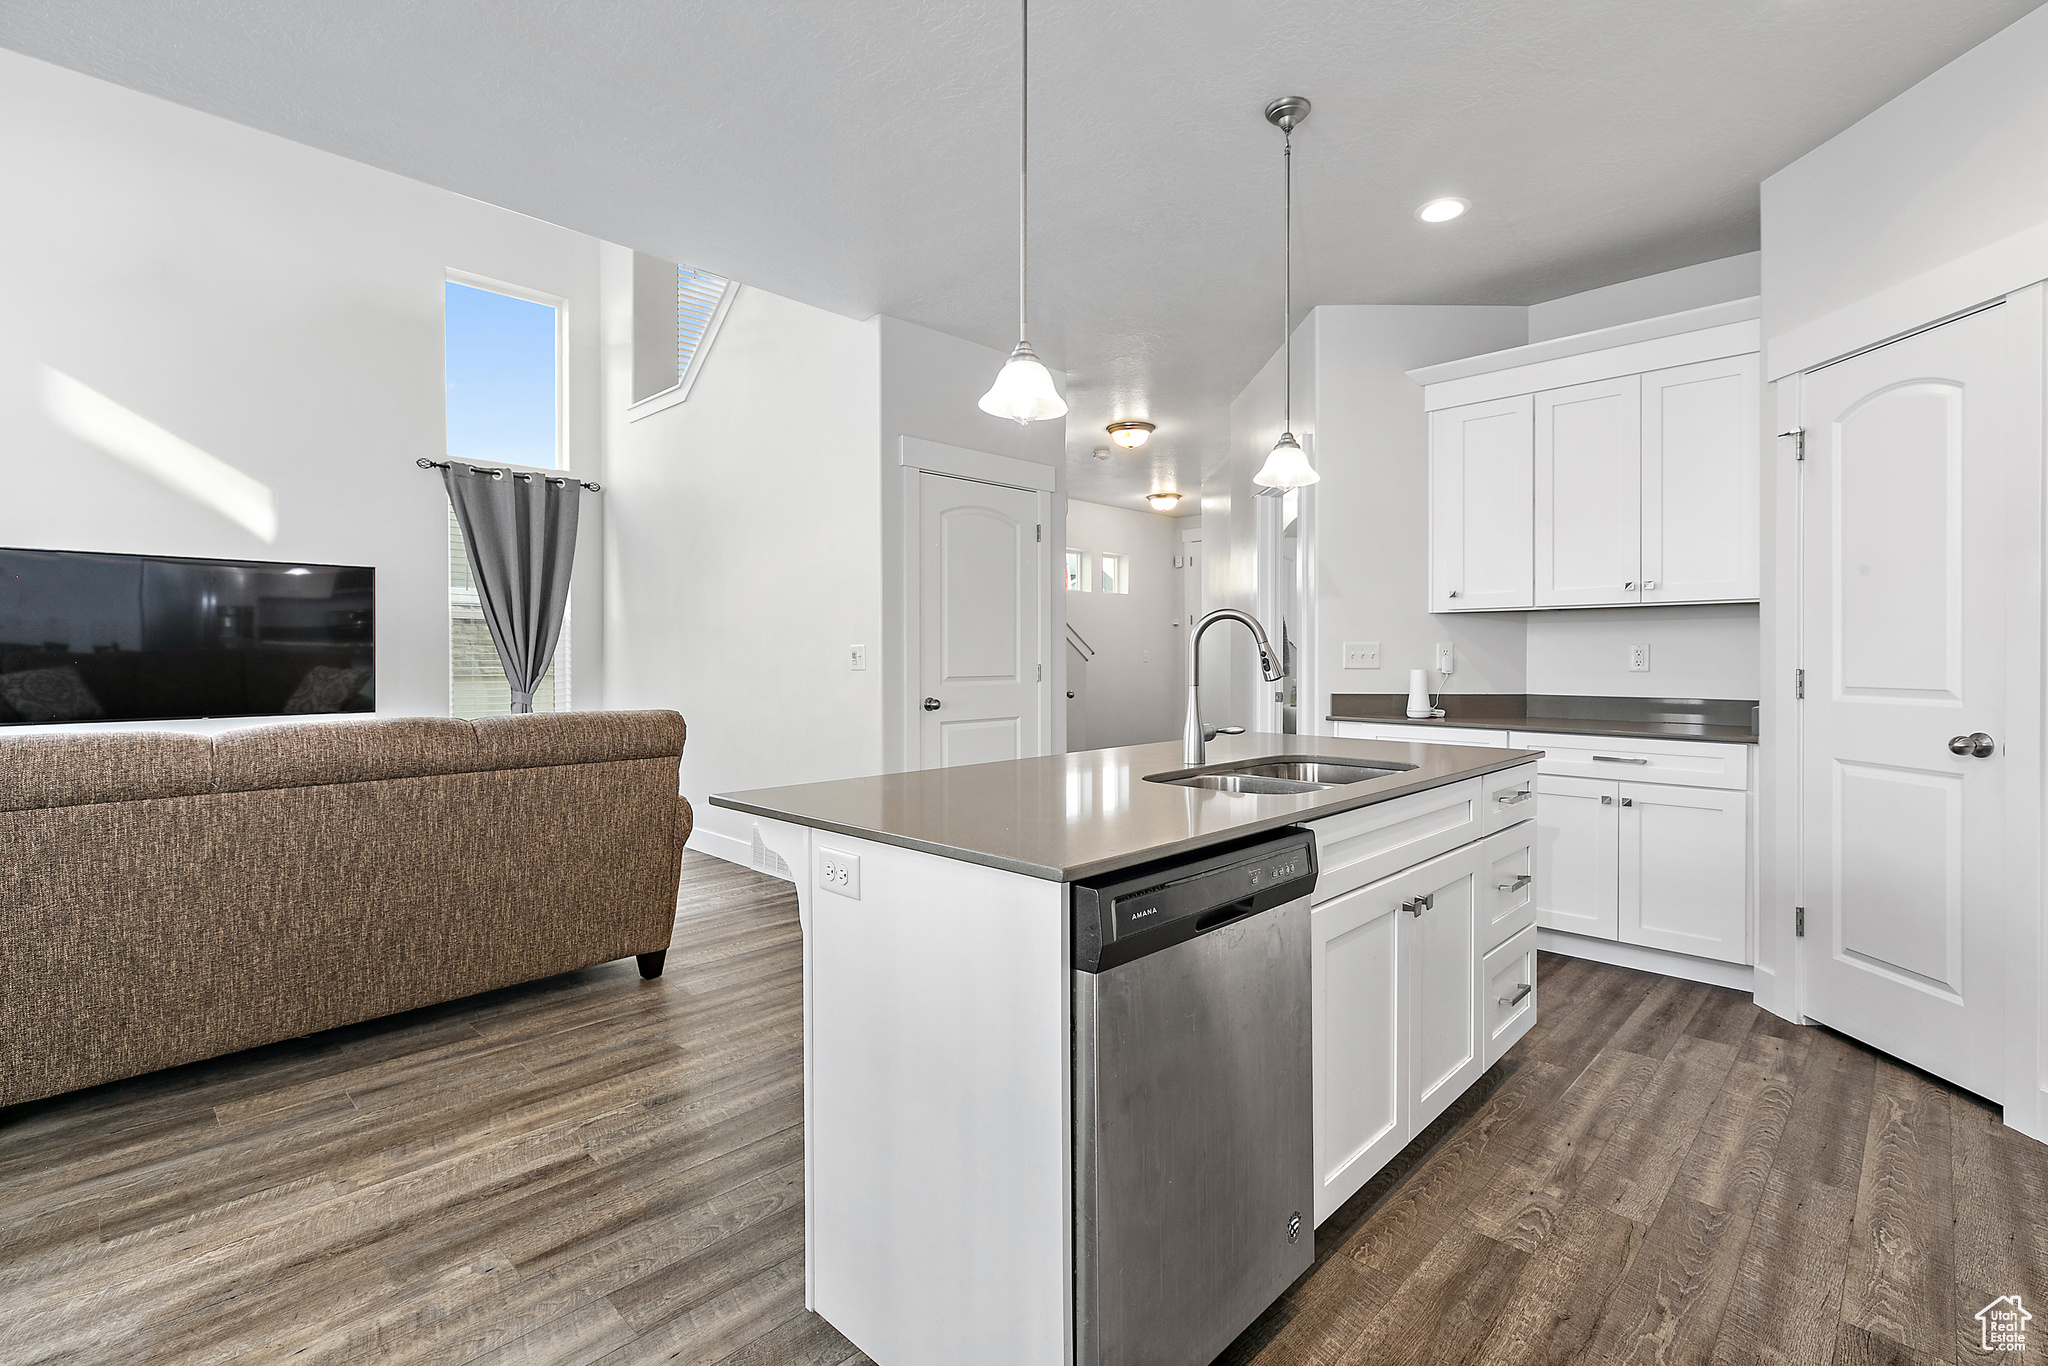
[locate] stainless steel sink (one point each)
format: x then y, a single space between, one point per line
1281 774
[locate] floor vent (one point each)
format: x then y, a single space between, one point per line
766 860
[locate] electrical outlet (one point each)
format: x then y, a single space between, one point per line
857 658
1145 657
1638 659
1361 654
1446 663
839 872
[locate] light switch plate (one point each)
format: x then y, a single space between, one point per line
857 658
1638 659
1445 660
1361 654
839 872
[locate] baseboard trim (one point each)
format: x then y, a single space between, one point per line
1710 971
732 849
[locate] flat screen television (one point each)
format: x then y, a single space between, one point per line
90 637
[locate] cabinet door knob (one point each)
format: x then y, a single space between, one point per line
1454 592
1649 584
1415 906
1979 744
1630 586
1607 801
1628 801
931 704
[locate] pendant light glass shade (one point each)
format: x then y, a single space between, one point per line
1023 391
1287 467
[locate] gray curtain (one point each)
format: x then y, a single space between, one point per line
520 534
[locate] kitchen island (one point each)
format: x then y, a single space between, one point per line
940 986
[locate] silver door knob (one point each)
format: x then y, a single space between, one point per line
931 704
1979 744
1454 592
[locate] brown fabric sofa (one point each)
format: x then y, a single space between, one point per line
168 897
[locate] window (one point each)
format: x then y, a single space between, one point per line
1077 571
1115 574
504 384
677 311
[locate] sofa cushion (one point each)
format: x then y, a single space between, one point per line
66 769
576 737
55 694
319 752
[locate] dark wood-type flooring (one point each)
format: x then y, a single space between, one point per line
593 1169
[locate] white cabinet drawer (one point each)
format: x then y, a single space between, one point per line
1421 735
1357 847
1509 796
1507 895
1508 978
1686 763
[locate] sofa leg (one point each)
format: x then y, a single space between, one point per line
650 963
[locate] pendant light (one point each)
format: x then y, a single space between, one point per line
1287 467
1023 391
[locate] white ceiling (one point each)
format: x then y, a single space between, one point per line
861 156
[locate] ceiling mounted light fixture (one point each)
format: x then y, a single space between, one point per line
1130 435
1442 210
1162 501
1287 467
1024 391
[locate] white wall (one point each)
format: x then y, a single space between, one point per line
743 550
1133 690
1372 506
1651 296
281 309
930 383
1952 167
1694 651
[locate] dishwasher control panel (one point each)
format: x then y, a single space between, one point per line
1142 910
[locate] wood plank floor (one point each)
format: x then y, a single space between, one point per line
593 1169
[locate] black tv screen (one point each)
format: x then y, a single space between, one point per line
90 637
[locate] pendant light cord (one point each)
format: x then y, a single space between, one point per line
1287 320
1024 179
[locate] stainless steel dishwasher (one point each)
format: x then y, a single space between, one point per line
1194 1180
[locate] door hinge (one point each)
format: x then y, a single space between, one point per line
1799 922
1041 673
1038 533
1799 684
1798 438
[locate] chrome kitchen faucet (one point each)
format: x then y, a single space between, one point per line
1193 739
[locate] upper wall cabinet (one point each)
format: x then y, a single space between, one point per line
1611 469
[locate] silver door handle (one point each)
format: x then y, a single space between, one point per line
1521 880
1522 991
1510 798
931 704
1415 906
1980 745
1610 759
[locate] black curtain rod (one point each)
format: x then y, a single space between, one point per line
427 464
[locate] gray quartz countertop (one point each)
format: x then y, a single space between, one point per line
1069 816
1724 720
1557 725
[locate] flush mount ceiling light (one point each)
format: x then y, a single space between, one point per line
1130 435
1442 210
1287 467
1023 391
1162 501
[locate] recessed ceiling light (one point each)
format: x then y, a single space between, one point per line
1130 435
1163 501
1442 210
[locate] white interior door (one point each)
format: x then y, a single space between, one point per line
980 640
1902 613
1479 473
1589 513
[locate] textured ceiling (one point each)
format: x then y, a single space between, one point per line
861 156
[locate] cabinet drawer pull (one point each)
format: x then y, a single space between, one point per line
1511 798
1415 906
1611 759
1521 880
1522 991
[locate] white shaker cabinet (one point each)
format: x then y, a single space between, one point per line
1588 531
1699 482
1684 869
1440 951
1577 845
1480 467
